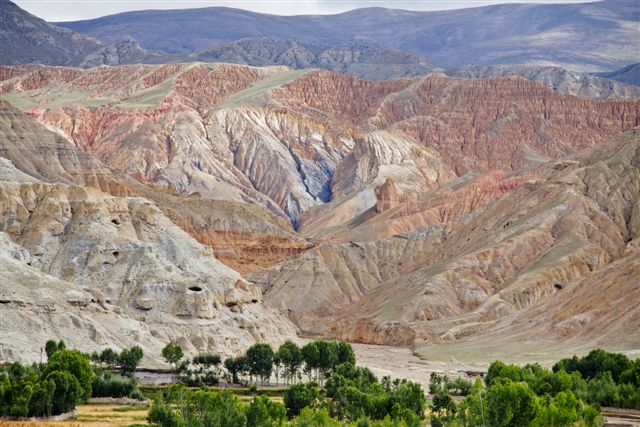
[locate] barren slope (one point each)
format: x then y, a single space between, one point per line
80 252
428 210
558 249
294 140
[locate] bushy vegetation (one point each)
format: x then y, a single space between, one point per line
359 401
124 362
58 385
106 385
568 395
46 389
338 392
203 370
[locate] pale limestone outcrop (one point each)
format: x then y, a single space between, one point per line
118 270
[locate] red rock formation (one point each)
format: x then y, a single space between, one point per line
387 196
205 85
485 124
342 97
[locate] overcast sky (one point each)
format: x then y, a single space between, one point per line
72 10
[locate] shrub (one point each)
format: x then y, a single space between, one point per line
113 387
68 391
75 363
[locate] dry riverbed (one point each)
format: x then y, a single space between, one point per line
400 362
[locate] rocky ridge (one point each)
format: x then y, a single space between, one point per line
115 258
583 85
25 38
482 273
361 58
428 210
591 36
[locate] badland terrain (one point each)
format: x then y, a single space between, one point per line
243 187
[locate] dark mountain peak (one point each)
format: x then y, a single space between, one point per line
26 38
628 75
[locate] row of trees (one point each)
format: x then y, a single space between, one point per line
124 362
352 396
67 378
317 359
532 395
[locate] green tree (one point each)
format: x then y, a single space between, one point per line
50 347
410 396
595 363
632 374
299 396
311 358
213 409
76 364
345 353
263 412
172 354
290 357
510 403
41 403
109 358
163 415
129 359
471 411
234 368
20 397
562 410
207 368
68 391
327 358
260 359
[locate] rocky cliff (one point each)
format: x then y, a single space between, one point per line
530 250
408 211
108 256
294 140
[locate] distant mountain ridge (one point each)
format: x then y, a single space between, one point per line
361 58
599 36
29 39
628 75
25 38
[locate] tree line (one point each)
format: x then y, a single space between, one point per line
570 394
259 363
336 393
66 379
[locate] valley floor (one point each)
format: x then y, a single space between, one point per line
455 359
401 362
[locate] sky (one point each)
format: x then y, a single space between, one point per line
74 10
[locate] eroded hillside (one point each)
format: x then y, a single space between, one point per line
82 250
551 254
414 211
293 140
